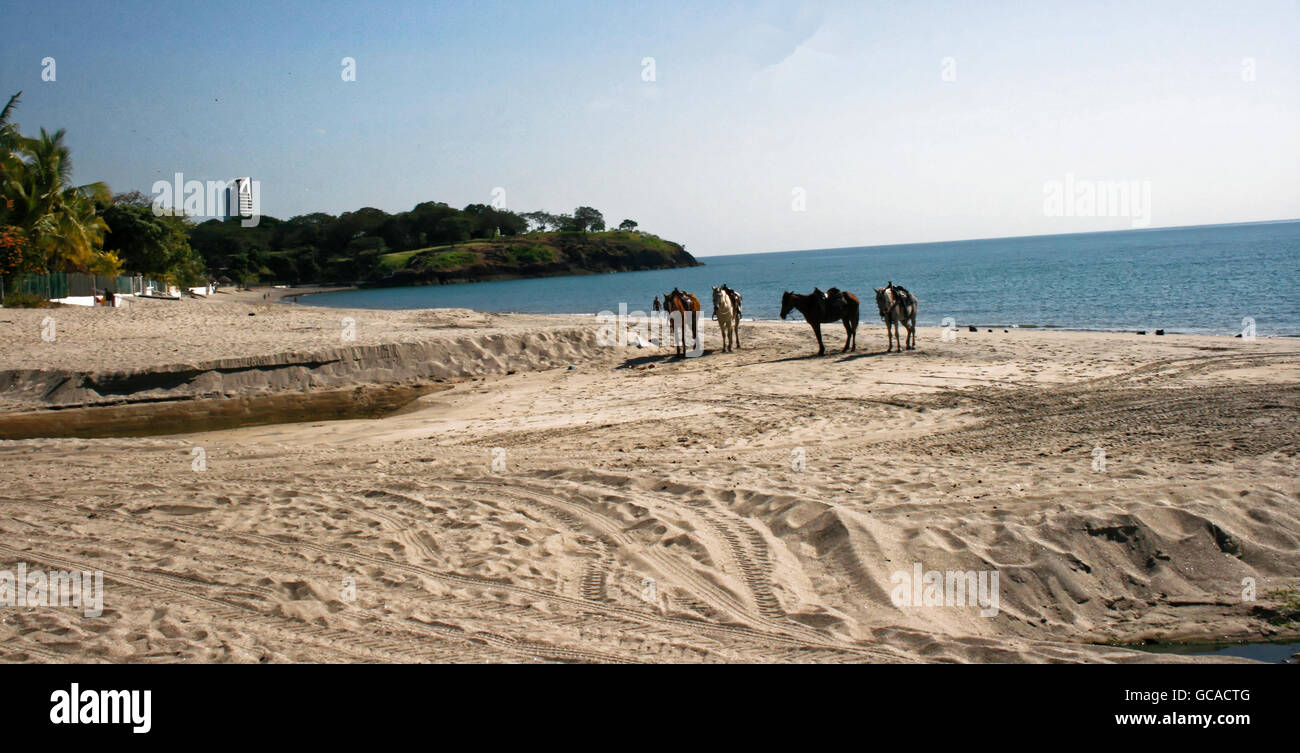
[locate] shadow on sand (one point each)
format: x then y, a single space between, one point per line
856 356
633 363
839 357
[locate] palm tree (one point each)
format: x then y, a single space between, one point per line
60 218
14 246
10 161
9 136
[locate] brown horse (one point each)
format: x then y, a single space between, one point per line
821 308
680 307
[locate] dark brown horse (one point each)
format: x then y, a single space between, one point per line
682 307
820 308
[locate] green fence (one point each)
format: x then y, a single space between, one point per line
63 284
50 286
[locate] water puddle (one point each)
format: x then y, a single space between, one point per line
1273 653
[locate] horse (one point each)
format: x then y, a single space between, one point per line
677 305
897 305
727 311
821 308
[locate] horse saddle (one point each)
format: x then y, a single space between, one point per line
901 295
834 300
734 296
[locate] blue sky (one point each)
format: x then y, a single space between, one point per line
846 101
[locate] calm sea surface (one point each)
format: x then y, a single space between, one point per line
1202 280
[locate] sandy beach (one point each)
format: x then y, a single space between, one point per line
551 498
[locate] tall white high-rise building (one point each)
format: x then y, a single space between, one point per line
239 198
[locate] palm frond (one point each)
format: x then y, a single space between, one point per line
7 114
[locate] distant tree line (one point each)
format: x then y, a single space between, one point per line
321 247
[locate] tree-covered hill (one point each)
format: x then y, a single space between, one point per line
543 254
430 244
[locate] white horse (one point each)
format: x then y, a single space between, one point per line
728 317
897 305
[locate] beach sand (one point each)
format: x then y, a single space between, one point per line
555 499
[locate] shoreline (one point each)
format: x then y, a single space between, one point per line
963 328
272 294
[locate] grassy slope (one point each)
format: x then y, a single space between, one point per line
535 255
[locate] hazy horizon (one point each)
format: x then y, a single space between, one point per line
756 127
1001 237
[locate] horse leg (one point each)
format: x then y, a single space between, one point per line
817 330
848 334
735 336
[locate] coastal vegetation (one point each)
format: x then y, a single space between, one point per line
432 243
537 254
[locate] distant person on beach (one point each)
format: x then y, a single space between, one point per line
656 304
108 298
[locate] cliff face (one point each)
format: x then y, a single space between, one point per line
537 255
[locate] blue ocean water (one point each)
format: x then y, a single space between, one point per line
1194 280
